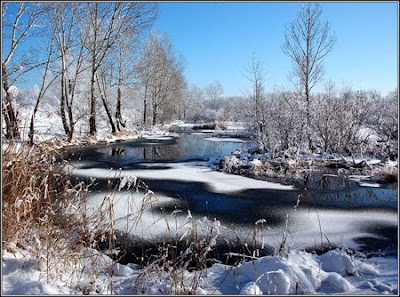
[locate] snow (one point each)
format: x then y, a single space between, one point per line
358 160
158 137
373 185
391 163
219 182
251 288
305 226
224 139
334 272
13 90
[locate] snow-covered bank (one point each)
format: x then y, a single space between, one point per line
368 171
334 272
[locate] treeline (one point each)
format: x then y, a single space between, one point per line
336 120
88 59
345 121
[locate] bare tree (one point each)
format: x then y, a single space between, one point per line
307 42
123 74
12 67
254 72
65 16
160 71
144 71
213 92
44 85
384 119
102 87
106 23
193 105
326 108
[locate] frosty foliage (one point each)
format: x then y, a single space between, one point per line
13 91
127 181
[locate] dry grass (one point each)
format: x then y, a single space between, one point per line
46 216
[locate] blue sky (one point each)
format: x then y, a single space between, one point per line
217 40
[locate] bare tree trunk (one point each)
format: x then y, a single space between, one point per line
72 124
10 116
154 121
63 100
92 119
42 91
145 105
104 100
32 127
110 119
118 114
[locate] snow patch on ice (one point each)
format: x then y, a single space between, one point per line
372 185
218 181
224 139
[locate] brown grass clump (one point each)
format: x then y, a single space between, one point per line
29 186
45 215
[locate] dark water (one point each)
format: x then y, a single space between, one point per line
240 208
133 154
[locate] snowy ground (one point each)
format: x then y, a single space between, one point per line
334 272
296 272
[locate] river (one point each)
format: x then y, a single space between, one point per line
189 192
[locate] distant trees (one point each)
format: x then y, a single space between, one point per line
256 100
161 72
289 121
193 104
385 116
307 41
326 118
213 92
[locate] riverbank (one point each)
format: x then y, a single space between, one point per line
312 170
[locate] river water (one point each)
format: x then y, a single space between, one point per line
179 171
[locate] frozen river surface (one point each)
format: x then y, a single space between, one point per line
188 192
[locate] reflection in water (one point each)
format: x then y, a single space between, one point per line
126 155
117 152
